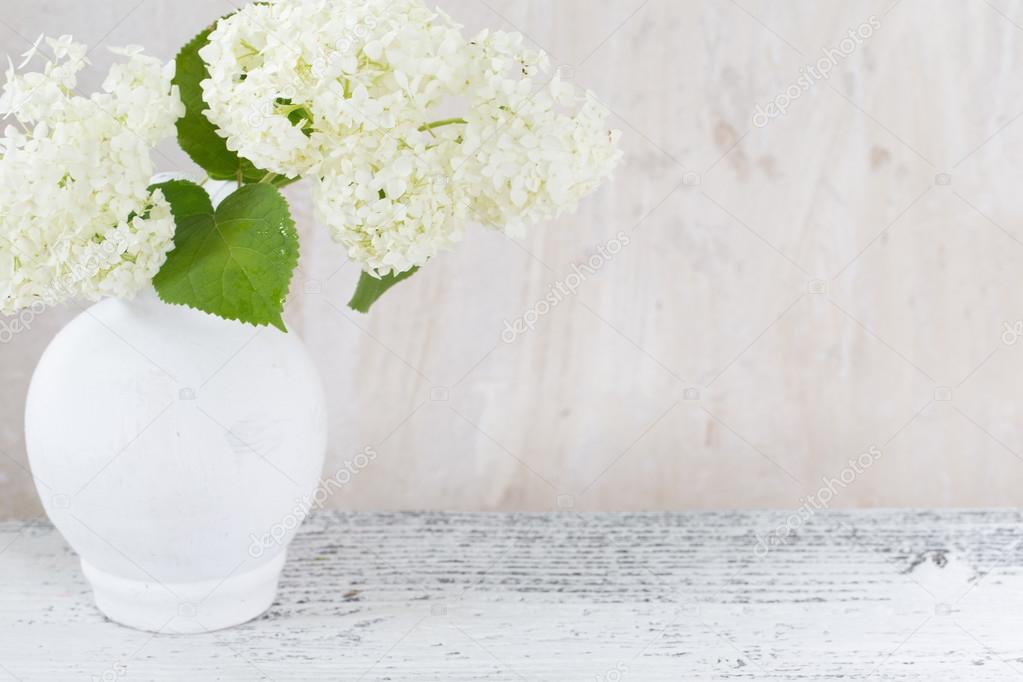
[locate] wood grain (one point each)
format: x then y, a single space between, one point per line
879 595
712 297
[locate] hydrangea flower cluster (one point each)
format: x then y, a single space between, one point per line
78 220
410 130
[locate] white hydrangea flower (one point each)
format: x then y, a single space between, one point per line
534 145
291 81
396 204
78 220
532 161
363 96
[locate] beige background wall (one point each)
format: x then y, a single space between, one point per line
791 296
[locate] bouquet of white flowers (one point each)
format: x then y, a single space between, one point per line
408 130
79 219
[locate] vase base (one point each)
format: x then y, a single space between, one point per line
185 608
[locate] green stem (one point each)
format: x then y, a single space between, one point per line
442 122
268 178
248 46
347 85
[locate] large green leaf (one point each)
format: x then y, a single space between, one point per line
236 261
196 134
371 288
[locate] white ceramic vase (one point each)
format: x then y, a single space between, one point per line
176 453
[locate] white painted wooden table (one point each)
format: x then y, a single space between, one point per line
885 595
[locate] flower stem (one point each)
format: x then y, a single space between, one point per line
442 122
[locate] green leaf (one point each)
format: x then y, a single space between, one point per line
196 134
236 261
371 288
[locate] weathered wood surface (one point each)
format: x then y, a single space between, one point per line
713 293
884 595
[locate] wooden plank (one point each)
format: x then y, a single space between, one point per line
894 595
